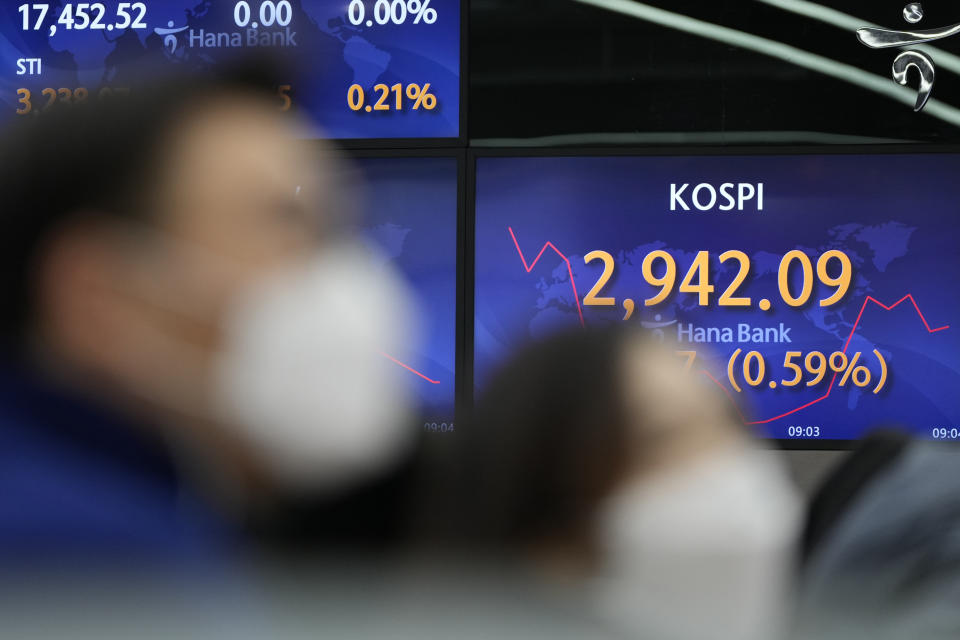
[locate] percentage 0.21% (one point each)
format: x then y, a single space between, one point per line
391 12
815 367
395 98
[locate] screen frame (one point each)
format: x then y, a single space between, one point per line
455 142
460 156
426 144
593 151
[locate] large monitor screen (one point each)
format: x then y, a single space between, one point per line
819 291
361 69
410 214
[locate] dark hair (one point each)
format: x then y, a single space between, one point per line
875 454
546 444
99 156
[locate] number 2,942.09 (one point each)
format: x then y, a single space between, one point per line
659 269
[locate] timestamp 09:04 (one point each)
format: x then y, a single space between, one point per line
439 427
945 433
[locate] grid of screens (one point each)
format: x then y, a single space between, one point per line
835 272
813 288
410 214
361 69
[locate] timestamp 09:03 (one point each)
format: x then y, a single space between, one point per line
803 432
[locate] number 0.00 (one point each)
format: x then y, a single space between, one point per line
270 13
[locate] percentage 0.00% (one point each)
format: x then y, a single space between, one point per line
391 98
391 12
815 367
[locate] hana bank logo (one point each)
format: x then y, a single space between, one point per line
657 326
169 34
877 38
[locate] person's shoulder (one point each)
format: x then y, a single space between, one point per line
73 479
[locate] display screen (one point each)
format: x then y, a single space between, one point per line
410 214
817 290
361 69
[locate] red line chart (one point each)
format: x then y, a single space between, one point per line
846 345
869 299
529 267
409 368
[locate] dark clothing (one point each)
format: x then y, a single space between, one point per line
890 565
79 480
873 456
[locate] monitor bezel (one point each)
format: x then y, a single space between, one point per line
460 157
594 151
431 143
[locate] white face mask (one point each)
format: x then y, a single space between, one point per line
303 372
701 551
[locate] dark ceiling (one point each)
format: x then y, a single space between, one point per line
574 73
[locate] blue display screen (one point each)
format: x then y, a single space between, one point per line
817 290
361 69
410 213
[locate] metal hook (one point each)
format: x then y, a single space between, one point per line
922 63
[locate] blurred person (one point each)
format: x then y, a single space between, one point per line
873 456
886 528
188 331
598 462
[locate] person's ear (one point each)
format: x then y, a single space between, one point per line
75 303
94 313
